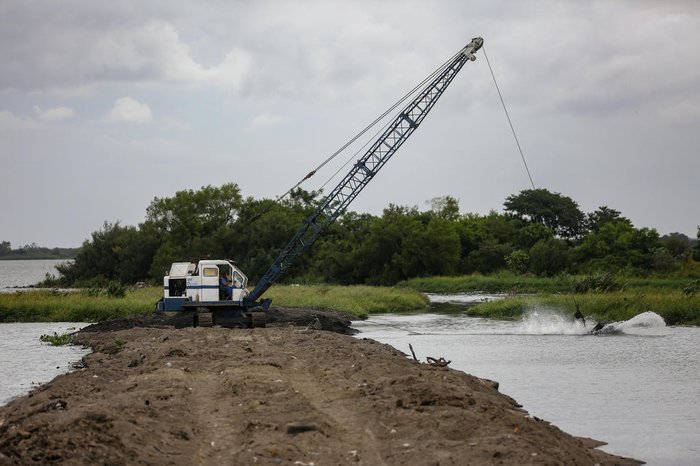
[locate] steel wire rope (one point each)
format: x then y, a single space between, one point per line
368 127
386 125
381 130
522 156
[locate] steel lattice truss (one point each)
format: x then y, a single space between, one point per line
364 169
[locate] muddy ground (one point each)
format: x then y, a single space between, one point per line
151 393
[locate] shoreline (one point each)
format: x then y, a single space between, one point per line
274 395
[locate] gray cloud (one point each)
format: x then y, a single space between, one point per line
605 97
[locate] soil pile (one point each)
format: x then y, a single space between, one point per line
334 321
284 395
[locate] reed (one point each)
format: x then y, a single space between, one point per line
92 305
510 283
74 306
358 300
676 307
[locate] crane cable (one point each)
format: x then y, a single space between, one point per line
381 130
368 127
508 117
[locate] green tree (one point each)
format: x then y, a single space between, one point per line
262 229
557 212
531 233
549 257
677 244
618 245
98 258
662 261
406 243
446 207
490 257
190 214
333 257
435 251
517 261
188 221
485 241
5 247
603 215
136 249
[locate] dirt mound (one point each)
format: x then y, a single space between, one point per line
288 395
334 321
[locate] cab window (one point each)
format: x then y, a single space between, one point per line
238 280
211 272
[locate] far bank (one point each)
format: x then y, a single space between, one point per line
677 302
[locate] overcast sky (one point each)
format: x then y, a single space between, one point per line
105 105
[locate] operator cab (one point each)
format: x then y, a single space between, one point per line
201 282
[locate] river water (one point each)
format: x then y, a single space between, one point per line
25 361
22 273
636 387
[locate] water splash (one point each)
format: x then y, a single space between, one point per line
552 322
646 323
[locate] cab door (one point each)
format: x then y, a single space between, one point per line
210 283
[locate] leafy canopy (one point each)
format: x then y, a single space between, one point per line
557 212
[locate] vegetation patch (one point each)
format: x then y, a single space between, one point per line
674 306
96 305
74 306
506 282
358 300
57 339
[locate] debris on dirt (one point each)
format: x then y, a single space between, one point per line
319 319
439 362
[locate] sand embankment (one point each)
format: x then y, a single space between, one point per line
279 395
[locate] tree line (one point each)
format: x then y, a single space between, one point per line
539 232
33 251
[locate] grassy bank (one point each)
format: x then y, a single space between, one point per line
675 307
74 306
601 297
510 283
79 306
358 300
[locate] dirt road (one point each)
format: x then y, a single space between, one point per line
286 395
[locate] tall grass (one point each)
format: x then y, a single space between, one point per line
510 283
358 300
88 306
74 306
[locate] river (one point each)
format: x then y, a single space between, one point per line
635 388
23 273
25 361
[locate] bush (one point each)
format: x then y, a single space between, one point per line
92 292
601 283
691 288
56 339
116 290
